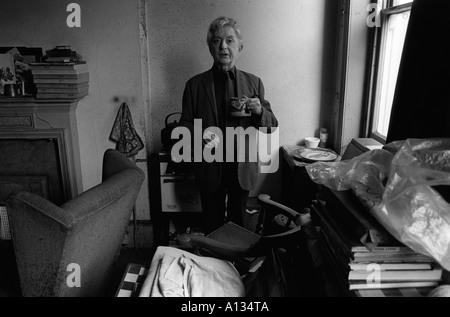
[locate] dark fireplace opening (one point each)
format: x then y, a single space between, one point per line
31 164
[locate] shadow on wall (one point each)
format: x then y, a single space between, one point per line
118 100
329 62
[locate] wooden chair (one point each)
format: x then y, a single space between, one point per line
256 254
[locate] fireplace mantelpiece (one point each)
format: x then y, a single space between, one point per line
28 118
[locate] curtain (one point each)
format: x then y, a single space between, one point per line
421 106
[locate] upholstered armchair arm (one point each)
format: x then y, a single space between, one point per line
23 201
86 203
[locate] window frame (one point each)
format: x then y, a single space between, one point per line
388 7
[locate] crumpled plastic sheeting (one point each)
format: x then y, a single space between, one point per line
398 191
411 210
368 170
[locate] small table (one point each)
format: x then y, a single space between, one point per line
298 190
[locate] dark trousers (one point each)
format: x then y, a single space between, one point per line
228 203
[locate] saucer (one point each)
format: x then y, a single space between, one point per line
314 155
318 156
240 114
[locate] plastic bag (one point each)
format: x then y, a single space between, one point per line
368 170
412 210
365 175
399 190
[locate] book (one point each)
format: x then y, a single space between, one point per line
60 85
81 78
359 285
395 292
57 66
386 253
59 71
402 275
391 266
393 257
62 95
387 248
59 59
61 90
57 76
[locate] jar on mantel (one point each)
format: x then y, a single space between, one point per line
323 137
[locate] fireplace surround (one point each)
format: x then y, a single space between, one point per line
25 120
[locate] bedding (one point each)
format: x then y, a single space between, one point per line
177 273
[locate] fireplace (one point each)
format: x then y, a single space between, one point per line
32 164
39 150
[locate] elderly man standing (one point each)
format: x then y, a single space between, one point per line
224 185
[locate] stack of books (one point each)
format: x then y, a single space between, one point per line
392 267
367 266
60 80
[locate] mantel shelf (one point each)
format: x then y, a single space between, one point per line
18 104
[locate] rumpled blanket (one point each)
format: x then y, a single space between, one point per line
123 132
177 273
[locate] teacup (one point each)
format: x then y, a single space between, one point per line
238 107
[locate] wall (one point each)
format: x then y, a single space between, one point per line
289 44
108 39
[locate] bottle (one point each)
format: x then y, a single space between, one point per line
323 137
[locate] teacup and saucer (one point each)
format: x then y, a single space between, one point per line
238 107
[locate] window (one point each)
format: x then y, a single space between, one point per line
393 18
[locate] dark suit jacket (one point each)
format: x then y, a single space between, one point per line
199 103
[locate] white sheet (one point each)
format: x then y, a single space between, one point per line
177 273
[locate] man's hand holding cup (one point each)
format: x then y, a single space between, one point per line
253 105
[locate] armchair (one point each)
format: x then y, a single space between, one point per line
86 231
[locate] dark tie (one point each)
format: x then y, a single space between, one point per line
229 91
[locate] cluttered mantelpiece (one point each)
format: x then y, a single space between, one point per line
59 74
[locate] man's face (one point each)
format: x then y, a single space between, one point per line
225 48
